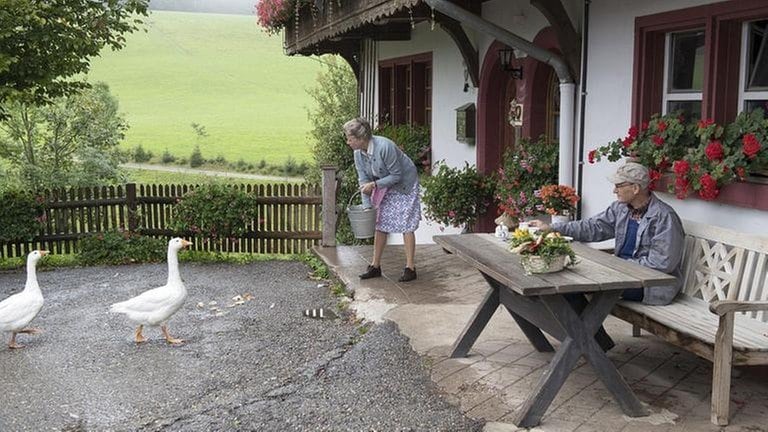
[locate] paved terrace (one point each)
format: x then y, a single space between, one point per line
502 367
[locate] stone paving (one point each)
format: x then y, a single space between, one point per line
502 367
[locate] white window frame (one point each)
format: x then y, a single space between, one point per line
744 94
668 96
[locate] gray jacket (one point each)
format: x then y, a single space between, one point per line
659 244
388 166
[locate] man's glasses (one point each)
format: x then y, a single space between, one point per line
621 185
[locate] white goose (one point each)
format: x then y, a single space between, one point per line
154 307
18 310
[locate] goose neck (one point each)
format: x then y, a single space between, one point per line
31 277
173 267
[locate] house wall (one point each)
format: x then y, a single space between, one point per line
447 89
608 110
448 79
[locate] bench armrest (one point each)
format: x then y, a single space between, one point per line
722 307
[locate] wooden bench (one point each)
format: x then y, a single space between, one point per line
720 314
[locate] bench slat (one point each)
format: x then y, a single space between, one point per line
687 315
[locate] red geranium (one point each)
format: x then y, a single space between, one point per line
709 190
714 150
658 140
750 145
591 156
681 167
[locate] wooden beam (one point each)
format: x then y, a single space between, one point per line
350 51
569 39
468 52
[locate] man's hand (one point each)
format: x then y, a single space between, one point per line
368 188
538 224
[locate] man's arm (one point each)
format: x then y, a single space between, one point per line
599 227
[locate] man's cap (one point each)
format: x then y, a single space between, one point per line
631 172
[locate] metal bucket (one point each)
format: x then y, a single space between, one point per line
362 220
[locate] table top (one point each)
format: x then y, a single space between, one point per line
596 270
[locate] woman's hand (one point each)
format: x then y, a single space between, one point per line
368 188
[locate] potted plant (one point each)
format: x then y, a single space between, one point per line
524 170
559 201
456 196
542 251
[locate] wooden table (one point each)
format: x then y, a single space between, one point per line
544 302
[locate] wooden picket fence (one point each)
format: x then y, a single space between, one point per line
288 218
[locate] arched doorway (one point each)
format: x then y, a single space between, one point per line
494 134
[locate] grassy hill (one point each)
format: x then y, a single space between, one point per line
219 71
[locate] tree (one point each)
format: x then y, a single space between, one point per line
71 142
46 45
335 96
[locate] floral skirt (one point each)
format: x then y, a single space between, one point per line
399 212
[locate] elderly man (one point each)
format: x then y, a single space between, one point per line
647 231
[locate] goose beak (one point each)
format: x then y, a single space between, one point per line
185 243
44 253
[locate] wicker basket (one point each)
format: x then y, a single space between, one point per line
536 264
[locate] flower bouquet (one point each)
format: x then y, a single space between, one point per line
558 199
541 251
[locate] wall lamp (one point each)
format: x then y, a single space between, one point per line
506 56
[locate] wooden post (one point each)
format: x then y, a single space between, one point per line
329 205
130 203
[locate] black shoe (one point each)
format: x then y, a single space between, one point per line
408 275
371 272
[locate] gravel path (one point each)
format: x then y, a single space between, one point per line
256 366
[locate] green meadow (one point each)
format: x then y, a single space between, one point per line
218 71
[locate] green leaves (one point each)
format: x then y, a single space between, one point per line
21 215
216 211
46 45
457 196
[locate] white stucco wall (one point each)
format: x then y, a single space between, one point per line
609 110
447 88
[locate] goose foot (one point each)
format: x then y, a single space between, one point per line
30 330
139 337
12 344
170 339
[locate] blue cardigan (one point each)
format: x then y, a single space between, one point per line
394 168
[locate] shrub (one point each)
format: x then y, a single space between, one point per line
140 155
215 211
335 96
114 248
21 215
413 140
196 159
167 157
455 196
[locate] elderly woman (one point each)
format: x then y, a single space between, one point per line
389 181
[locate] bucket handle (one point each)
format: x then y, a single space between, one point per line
349 204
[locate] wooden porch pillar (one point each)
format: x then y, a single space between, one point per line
329 205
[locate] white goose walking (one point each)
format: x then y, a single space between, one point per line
155 307
18 310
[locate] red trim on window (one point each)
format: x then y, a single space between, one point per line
722 23
747 195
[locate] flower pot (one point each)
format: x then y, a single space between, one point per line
536 264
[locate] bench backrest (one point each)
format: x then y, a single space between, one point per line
721 264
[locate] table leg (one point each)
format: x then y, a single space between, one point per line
580 340
479 320
579 302
531 331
